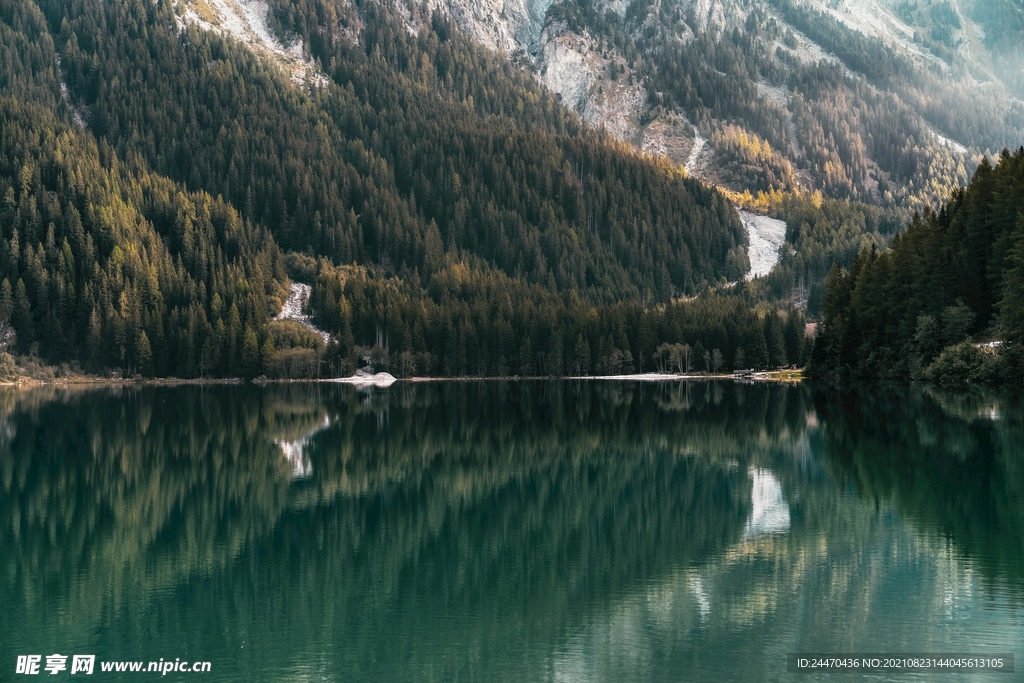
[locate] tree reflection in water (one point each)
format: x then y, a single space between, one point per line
506 531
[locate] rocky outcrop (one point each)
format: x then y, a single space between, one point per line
508 26
565 68
246 20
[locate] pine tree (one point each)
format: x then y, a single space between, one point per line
144 355
250 361
6 301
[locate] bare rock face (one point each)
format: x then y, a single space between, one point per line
565 68
599 85
506 26
592 77
618 106
598 82
605 80
569 64
710 14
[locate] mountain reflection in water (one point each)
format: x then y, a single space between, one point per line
770 513
507 531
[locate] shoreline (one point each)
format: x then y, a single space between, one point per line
788 376
759 376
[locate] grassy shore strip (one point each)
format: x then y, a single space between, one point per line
779 376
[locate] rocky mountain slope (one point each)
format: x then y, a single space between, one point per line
888 101
830 90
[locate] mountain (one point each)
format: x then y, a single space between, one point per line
883 101
885 106
468 188
879 100
163 181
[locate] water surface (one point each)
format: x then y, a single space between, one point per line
531 531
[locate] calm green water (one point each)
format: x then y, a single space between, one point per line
508 531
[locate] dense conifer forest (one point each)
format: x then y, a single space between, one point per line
484 324
945 302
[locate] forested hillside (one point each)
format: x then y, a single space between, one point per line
952 279
451 216
413 139
117 268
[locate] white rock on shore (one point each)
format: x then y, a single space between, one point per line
380 379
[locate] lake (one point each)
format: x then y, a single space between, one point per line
508 531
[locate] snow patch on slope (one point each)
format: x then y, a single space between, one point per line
951 145
298 296
699 142
766 236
